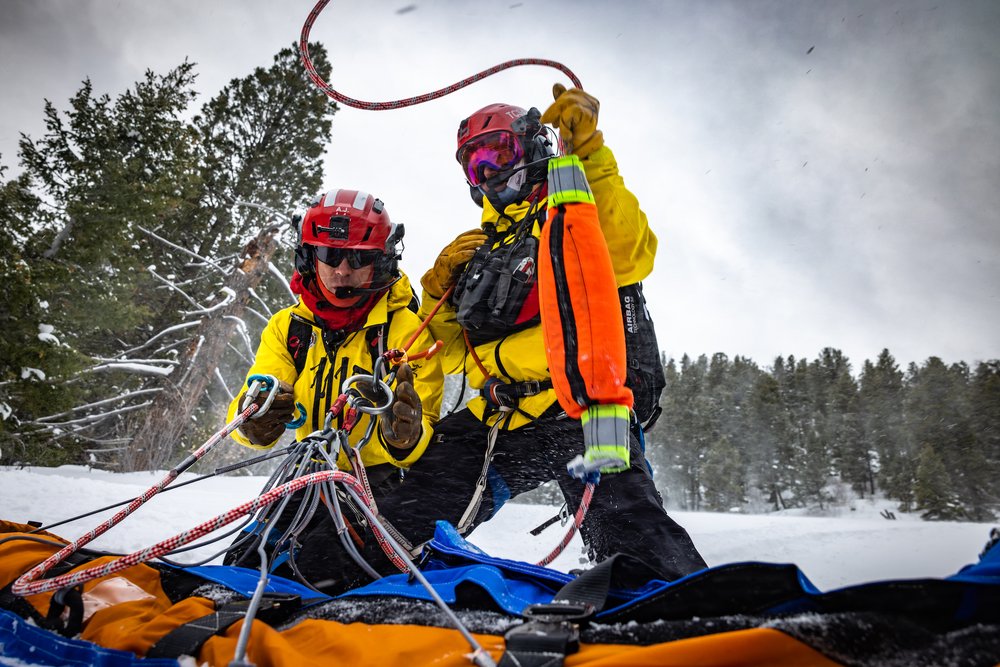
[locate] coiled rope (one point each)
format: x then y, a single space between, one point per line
410 101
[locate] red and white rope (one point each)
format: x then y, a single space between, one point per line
31 583
581 512
410 101
138 502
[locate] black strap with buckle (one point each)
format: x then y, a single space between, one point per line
552 631
187 639
499 394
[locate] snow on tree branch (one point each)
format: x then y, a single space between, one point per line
229 295
241 328
203 260
261 301
263 207
96 404
90 419
281 277
128 367
46 336
168 330
172 285
222 381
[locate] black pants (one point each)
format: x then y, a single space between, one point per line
626 514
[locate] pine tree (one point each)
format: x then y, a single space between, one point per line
32 355
149 257
723 476
984 407
768 465
882 421
939 413
98 170
685 431
933 489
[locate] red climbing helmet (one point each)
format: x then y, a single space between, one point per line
506 139
348 224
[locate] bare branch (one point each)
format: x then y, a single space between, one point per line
204 260
280 276
91 419
228 298
192 360
240 354
263 303
262 207
241 327
88 406
176 327
258 315
173 286
222 381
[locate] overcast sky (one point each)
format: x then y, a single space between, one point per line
820 174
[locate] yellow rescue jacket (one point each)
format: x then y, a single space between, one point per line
520 356
320 382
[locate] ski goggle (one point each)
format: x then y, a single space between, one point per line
355 258
497 150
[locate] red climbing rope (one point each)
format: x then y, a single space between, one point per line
410 101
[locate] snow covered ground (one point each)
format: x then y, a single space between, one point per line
832 552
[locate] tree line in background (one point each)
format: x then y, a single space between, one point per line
734 435
137 254
143 248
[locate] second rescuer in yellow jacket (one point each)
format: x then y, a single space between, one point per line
519 355
516 435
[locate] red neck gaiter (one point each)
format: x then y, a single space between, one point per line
333 317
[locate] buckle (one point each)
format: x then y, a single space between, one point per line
551 629
530 388
559 612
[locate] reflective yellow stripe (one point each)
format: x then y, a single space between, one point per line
568 182
605 410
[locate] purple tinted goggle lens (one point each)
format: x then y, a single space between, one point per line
498 151
355 258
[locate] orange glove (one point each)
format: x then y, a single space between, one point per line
574 114
440 277
402 426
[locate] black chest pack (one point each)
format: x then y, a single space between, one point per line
497 295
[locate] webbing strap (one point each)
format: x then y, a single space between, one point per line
188 639
477 496
552 631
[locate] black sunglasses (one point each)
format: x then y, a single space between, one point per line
355 258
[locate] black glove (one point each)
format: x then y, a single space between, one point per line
264 429
401 426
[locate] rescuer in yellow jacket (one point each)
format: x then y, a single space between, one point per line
354 304
515 435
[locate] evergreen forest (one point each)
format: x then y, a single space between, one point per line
145 243
735 436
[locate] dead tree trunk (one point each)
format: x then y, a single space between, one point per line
160 430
